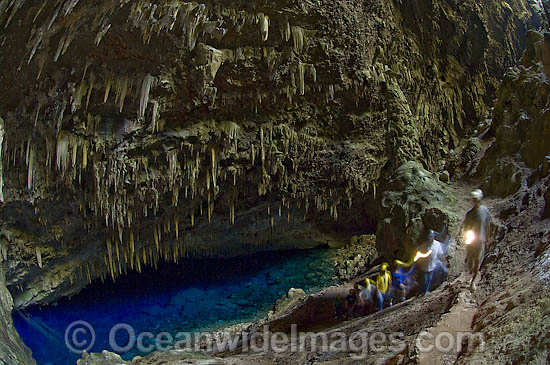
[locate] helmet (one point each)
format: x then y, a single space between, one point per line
432 234
477 194
384 266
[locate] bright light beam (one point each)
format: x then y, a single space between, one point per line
420 255
470 237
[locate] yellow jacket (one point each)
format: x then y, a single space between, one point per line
383 281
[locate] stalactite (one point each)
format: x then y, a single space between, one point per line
213 165
104 29
39 257
73 154
69 6
301 78
144 96
123 92
262 149
312 72
132 243
108 84
39 11
30 166
77 97
264 26
62 150
90 89
2 133
285 31
298 37
37 40
84 154
156 235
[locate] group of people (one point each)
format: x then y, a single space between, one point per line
419 273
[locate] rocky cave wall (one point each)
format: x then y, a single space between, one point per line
12 349
135 131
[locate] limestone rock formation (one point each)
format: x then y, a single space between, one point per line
12 349
414 202
353 258
103 358
521 121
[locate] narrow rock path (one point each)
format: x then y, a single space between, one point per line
443 343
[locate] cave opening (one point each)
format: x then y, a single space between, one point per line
193 296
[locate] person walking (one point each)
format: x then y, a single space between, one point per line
430 260
477 229
383 284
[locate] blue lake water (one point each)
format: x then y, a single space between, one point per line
192 296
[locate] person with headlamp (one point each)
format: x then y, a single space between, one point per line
477 231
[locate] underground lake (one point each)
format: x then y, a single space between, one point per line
191 296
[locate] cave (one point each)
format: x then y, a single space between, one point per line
266 170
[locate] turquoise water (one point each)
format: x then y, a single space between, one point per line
194 295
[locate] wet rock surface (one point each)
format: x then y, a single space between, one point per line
12 349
